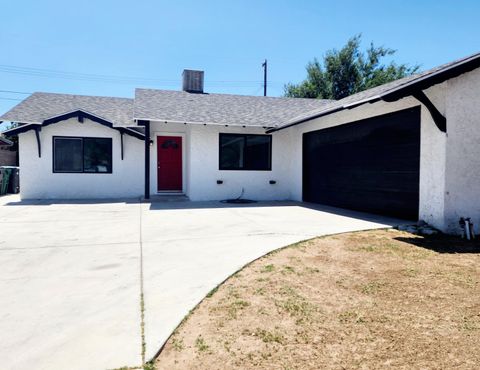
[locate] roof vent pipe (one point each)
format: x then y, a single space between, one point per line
192 81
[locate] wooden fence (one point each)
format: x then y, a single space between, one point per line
8 158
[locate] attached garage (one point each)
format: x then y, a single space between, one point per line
372 165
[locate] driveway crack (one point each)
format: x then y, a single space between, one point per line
142 295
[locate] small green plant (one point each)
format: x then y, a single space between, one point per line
266 355
368 248
268 268
469 324
200 344
372 287
351 317
262 311
342 282
149 366
212 292
227 345
312 270
269 337
296 305
232 292
298 308
235 306
177 344
287 290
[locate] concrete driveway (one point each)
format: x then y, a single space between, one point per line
72 273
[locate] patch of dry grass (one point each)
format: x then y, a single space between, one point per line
375 299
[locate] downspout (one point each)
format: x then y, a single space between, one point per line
146 124
121 144
39 144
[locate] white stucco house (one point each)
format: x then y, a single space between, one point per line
409 148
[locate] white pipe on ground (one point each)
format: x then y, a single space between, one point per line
471 230
467 228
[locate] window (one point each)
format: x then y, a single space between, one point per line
82 155
245 152
67 154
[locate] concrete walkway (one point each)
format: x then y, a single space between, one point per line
71 276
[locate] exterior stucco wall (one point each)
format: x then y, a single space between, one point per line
202 164
462 177
38 181
432 162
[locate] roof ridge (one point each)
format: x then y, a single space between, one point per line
80 95
234 95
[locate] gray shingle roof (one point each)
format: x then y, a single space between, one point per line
426 78
41 106
225 109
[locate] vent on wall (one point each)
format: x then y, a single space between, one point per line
192 81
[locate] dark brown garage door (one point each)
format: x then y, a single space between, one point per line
370 165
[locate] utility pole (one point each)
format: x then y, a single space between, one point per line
264 65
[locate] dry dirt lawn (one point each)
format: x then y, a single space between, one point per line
375 299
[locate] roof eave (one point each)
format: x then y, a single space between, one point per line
201 123
400 92
326 113
435 78
80 114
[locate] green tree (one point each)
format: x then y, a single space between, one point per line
14 139
347 71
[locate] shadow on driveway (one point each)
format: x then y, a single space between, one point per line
159 206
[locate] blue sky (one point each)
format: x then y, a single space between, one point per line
147 43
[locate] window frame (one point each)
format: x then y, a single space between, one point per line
83 154
245 136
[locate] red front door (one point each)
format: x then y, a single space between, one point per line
169 163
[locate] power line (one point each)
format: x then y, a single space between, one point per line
1 97
15 92
77 75
257 90
51 73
